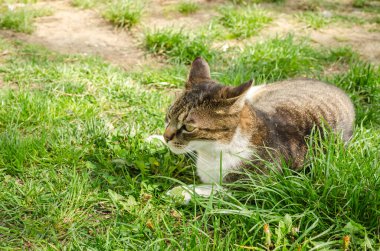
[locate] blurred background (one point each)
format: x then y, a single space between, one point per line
117 30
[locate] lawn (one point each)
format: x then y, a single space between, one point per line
76 170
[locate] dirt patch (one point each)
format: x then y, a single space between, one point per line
364 42
71 30
359 38
162 14
7 86
282 25
367 44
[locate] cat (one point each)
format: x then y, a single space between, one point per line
232 128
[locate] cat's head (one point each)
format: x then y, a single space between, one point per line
206 112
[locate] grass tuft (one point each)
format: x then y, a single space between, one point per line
359 3
170 76
277 58
336 195
243 22
178 46
21 19
187 7
314 20
362 82
124 13
317 20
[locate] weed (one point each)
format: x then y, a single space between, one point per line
124 13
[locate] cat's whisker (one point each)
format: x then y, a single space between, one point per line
193 157
197 158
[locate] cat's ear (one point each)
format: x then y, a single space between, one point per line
234 97
199 71
234 92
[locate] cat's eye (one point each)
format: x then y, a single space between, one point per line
189 128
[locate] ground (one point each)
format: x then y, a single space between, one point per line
82 85
73 30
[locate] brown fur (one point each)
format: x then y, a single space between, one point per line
278 117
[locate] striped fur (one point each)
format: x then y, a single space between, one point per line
245 121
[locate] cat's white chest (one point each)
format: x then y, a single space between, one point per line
216 160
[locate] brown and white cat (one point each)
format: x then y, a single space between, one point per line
228 125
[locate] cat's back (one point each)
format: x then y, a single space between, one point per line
304 102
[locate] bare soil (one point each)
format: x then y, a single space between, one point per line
72 30
367 44
162 14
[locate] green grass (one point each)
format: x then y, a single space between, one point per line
314 20
21 19
76 171
165 77
359 3
280 58
317 20
242 22
371 8
350 19
124 13
376 20
178 46
362 82
337 196
187 7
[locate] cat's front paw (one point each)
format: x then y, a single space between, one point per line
184 193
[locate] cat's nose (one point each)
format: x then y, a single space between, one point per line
169 133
